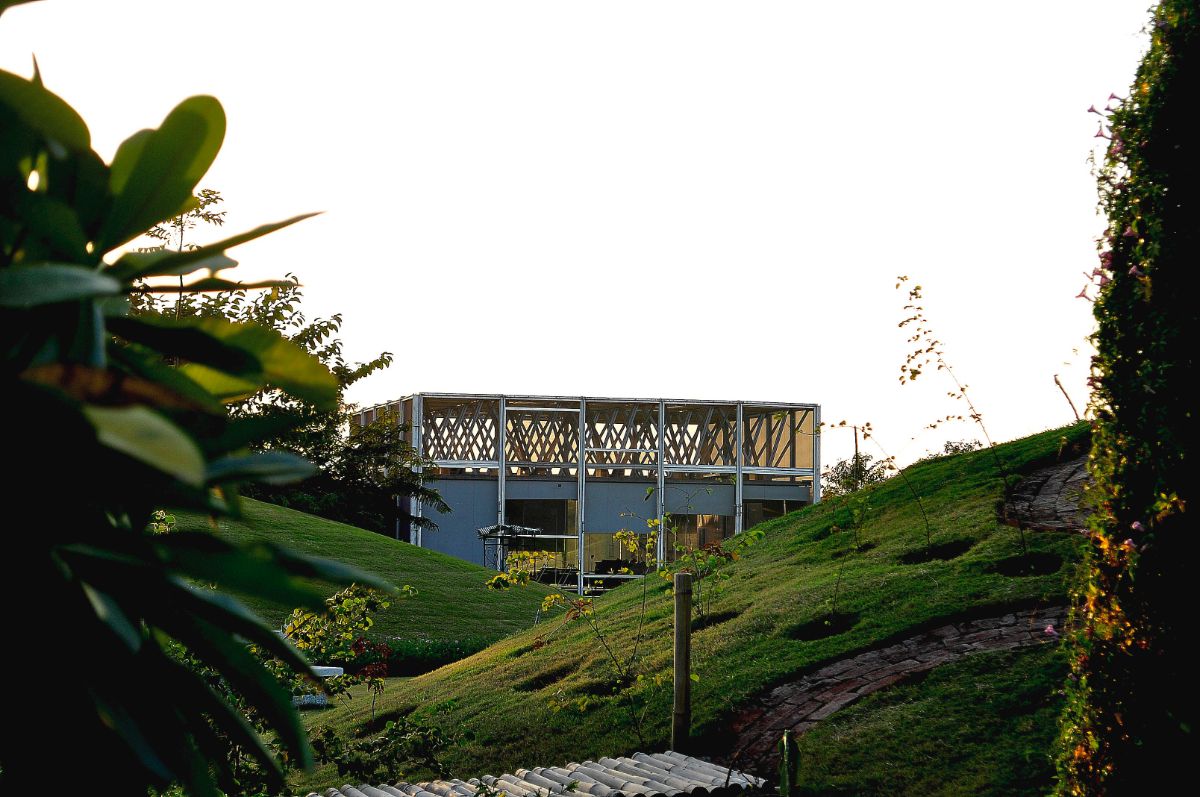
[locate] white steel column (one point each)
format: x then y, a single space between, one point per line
737 485
816 482
502 462
581 499
414 528
662 481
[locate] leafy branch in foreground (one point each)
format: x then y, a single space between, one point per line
114 417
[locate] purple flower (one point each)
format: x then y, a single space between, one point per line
1100 133
1137 526
1106 260
1128 542
1092 109
1134 271
1082 293
1050 630
1129 233
1118 146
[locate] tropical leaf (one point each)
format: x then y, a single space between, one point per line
50 283
148 437
157 172
136 265
44 112
185 339
285 364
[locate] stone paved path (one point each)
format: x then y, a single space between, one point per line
800 704
1048 499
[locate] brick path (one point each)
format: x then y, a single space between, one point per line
1048 499
800 704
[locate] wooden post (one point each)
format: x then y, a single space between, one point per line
681 717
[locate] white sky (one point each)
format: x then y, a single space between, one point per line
680 199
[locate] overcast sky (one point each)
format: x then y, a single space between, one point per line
679 199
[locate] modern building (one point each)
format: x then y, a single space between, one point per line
564 474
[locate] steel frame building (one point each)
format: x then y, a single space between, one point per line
588 467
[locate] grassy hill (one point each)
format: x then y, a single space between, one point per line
545 695
452 610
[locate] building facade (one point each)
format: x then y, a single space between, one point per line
564 474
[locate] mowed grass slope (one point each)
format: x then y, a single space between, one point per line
528 704
452 603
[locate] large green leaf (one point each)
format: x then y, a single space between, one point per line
126 158
285 365
31 286
53 221
186 340
135 265
143 434
44 112
251 569
223 386
271 467
149 365
163 167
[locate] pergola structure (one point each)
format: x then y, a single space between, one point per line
578 468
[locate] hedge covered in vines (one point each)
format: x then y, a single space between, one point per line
1130 718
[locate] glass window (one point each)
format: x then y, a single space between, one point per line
604 555
693 532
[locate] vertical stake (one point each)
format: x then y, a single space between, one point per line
681 717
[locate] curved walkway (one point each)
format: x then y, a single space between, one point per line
800 704
1049 499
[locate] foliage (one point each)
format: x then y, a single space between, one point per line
852 474
708 565
330 636
360 470
1130 723
955 447
785 580
858 506
105 433
402 744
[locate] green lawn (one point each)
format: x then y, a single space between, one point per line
521 699
981 725
452 605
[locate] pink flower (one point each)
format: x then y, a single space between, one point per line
1092 109
1137 526
1106 260
1082 293
1128 543
1134 271
1129 233
1100 133
1050 630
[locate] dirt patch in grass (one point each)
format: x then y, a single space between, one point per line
1034 564
863 548
544 679
826 625
709 619
942 552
